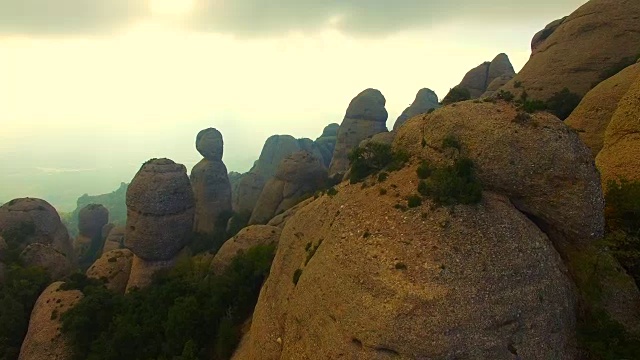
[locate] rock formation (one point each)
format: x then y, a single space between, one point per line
477 80
365 117
35 221
114 240
620 155
593 43
426 99
210 182
544 34
55 263
91 219
115 202
246 239
386 138
114 267
326 143
591 118
160 212
276 149
358 281
44 339
298 176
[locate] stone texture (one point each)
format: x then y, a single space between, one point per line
160 211
425 100
246 239
44 220
591 118
481 284
365 117
44 341
89 243
326 143
386 138
55 263
544 34
496 84
212 193
210 144
477 80
115 239
114 267
607 30
620 155
538 162
299 176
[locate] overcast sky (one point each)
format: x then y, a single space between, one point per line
90 89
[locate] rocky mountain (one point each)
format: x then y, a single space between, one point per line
426 100
481 79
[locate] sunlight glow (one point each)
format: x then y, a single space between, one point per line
171 7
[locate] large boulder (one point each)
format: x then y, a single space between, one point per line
477 80
160 210
355 280
299 176
44 339
210 144
115 202
115 239
326 143
32 221
425 100
548 175
246 239
114 268
55 263
365 117
211 188
620 155
607 30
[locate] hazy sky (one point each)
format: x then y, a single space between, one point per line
90 89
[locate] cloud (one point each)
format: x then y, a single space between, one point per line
258 18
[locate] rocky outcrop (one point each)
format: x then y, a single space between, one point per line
91 219
326 143
356 280
426 99
591 118
143 271
281 220
477 80
210 183
298 177
386 138
544 34
115 202
114 268
114 240
620 155
55 263
160 213
496 84
276 149
246 239
365 117
548 175
44 339
607 30
35 221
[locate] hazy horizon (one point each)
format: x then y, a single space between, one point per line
91 90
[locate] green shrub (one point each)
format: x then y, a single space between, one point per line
414 201
372 158
562 103
383 176
424 170
505 95
383 191
517 84
401 266
456 94
185 314
532 106
431 110
451 141
450 185
332 191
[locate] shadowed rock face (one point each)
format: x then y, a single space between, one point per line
210 144
44 339
326 143
210 183
115 239
590 45
298 176
55 263
365 117
544 34
478 80
40 220
426 99
89 243
160 210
